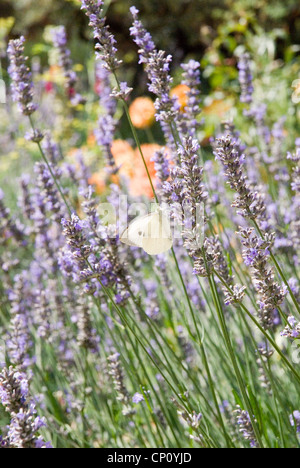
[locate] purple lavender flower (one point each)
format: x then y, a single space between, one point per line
105 47
59 39
103 88
43 314
192 193
294 228
250 203
24 424
19 341
86 337
191 78
292 330
13 389
21 77
151 303
9 228
159 79
161 166
122 92
271 294
141 36
137 398
25 201
51 149
35 135
106 123
73 230
245 78
116 372
245 426
295 420
49 191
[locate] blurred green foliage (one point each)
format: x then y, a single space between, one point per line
185 28
179 26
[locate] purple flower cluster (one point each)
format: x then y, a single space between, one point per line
22 87
295 420
116 373
250 204
24 426
188 194
59 39
245 426
294 217
292 330
191 78
142 37
256 255
48 190
9 228
19 341
245 78
157 67
106 123
105 46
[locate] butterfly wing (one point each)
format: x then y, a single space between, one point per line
157 238
134 233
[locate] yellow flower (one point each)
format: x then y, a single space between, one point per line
218 107
181 93
142 112
296 93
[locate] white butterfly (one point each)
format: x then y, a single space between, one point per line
151 232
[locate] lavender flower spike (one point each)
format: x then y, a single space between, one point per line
245 426
21 77
159 79
24 425
245 78
59 39
105 48
141 36
191 78
250 203
295 420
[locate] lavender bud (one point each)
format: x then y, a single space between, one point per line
20 76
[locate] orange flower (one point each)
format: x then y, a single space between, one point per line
123 155
98 180
139 183
218 107
131 166
142 112
91 140
180 92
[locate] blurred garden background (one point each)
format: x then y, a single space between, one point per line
213 32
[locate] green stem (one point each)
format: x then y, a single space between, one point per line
271 341
233 360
